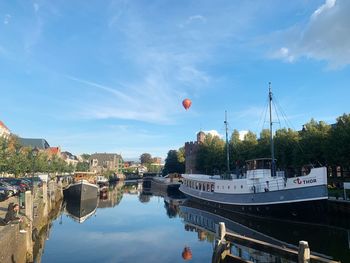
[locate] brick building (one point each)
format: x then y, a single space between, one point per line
191 149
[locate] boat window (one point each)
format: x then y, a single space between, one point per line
228 187
212 188
208 187
200 187
241 186
259 164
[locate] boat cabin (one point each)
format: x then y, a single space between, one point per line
258 168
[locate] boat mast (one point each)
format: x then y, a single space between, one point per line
273 165
227 145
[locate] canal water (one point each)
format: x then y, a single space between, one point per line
128 224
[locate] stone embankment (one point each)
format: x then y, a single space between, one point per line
38 209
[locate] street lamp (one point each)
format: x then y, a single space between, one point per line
34 154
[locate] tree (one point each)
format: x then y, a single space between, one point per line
174 164
146 158
314 137
338 146
82 166
85 157
211 157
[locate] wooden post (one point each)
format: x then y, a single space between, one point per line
304 252
28 205
44 188
222 231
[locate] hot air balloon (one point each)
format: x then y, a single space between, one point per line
187 253
186 103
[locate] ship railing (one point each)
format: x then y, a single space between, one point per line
272 185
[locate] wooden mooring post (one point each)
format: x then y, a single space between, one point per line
304 252
223 248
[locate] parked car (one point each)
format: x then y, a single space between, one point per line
22 186
3 195
30 180
9 189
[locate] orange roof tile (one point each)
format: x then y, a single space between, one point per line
3 125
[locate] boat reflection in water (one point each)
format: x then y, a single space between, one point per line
323 240
80 210
172 199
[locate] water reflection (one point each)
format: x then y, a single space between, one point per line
204 220
111 196
130 222
80 210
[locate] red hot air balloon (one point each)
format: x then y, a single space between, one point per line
187 103
187 253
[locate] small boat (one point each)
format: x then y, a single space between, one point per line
101 180
169 183
81 190
262 190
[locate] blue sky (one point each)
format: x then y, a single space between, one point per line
110 76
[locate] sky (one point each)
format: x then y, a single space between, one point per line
110 76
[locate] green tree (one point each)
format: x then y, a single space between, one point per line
85 157
82 166
314 137
287 148
338 146
174 164
146 158
211 157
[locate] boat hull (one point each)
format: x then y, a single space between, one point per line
307 205
305 211
81 191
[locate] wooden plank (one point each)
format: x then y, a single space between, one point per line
270 248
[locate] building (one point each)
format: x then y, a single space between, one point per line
69 158
4 131
54 151
191 149
101 162
40 144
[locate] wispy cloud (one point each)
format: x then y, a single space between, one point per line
193 19
36 7
324 37
7 19
148 101
213 133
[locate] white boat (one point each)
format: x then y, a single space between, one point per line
101 180
262 190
